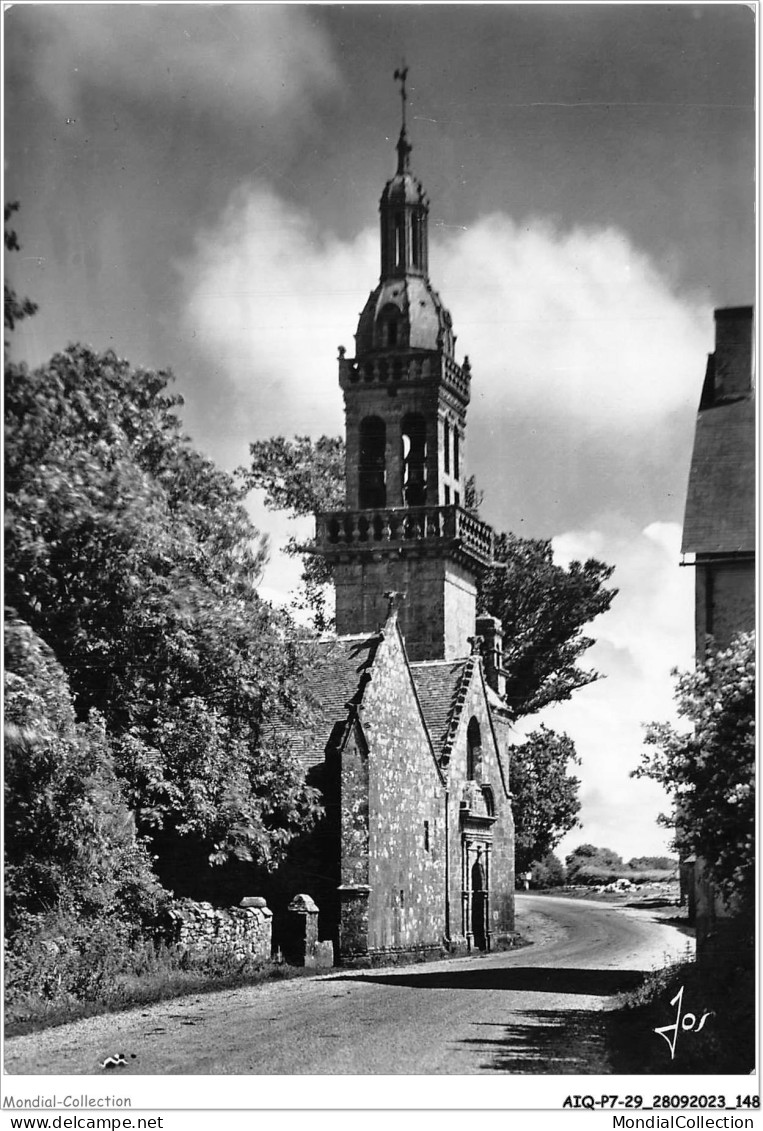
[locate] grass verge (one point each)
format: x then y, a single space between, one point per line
721 986
162 974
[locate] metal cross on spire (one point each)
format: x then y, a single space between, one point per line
401 74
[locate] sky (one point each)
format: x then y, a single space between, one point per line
199 191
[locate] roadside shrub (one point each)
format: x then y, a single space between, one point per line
547 872
592 876
652 863
708 770
588 860
54 977
70 840
723 987
61 958
656 876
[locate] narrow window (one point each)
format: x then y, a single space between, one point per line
455 453
372 470
399 241
426 836
388 330
446 445
447 495
417 240
473 751
457 498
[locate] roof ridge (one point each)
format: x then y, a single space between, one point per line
456 703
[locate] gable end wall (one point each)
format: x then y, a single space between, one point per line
406 907
501 881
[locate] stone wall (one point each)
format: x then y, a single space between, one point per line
438 613
725 601
466 815
406 803
241 932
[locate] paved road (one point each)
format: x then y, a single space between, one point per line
533 1010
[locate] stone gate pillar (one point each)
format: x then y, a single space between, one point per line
301 944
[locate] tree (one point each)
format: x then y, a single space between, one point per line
132 556
70 838
589 864
543 607
305 477
548 872
652 864
14 308
300 475
545 797
709 771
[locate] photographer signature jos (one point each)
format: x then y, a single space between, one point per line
686 1024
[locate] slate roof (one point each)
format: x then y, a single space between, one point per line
720 502
334 678
440 685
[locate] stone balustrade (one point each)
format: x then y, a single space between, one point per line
402 527
412 369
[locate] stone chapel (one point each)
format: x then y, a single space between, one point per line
416 851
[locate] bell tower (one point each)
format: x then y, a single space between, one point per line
405 399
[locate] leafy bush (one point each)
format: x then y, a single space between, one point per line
548 872
589 861
61 959
70 839
709 771
133 557
592 877
68 970
652 863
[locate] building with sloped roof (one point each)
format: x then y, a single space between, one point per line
719 521
719 533
410 748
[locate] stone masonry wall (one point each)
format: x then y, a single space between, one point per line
501 880
438 613
406 909
242 932
725 602
353 815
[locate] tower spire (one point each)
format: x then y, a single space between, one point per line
403 145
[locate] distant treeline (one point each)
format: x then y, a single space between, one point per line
590 865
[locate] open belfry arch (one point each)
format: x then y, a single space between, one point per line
416 852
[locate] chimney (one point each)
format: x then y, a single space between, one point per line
491 631
730 370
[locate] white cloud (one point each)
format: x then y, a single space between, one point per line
648 631
651 620
263 59
271 297
577 325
